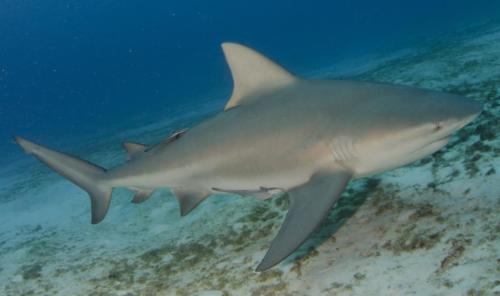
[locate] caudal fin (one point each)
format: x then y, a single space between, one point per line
82 173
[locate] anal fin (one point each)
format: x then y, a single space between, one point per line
189 198
310 204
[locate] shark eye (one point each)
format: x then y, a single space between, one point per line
438 126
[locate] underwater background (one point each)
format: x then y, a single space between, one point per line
84 76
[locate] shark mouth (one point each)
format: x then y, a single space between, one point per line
431 148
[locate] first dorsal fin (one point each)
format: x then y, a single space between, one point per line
252 73
133 149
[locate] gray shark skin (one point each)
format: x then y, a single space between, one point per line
279 132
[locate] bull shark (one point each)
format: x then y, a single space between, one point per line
278 133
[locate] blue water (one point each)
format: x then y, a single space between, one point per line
68 69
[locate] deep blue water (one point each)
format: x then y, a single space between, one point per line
70 68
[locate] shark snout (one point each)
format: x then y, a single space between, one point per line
471 110
462 108
476 108
466 110
452 112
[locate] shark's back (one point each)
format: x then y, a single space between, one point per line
303 112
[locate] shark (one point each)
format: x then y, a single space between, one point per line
278 132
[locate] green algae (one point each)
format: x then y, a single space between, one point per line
269 290
196 255
269 275
423 211
31 272
385 199
474 292
122 271
353 198
257 213
157 254
282 202
337 287
261 212
451 259
301 259
490 172
411 240
358 276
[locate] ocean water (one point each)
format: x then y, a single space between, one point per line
84 76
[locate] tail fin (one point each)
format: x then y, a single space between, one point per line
84 174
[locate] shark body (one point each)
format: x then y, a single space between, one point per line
279 132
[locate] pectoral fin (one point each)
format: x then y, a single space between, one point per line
310 204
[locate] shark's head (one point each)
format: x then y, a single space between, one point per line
416 123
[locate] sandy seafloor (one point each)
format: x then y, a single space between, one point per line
431 228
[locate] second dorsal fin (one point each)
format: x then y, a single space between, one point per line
252 73
133 149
